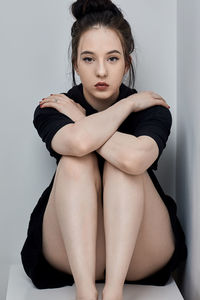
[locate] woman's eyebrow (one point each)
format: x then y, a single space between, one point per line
110 52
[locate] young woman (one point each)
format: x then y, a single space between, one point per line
104 217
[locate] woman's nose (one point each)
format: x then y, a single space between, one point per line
101 69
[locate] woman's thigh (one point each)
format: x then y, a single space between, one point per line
53 245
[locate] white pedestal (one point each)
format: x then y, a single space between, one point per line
20 287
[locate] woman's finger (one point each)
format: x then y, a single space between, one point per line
160 99
61 96
51 99
161 102
157 96
58 95
50 104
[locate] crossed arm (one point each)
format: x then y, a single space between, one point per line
131 154
98 132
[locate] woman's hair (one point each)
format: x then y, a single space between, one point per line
89 13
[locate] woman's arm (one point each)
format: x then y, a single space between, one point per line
131 154
135 152
88 132
96 129
93 131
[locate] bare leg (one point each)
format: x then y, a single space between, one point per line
76 188
123 212
138 233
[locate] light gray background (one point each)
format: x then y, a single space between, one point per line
34 63
188 138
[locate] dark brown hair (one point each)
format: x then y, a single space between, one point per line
89 13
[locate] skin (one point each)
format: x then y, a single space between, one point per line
100 66
132 209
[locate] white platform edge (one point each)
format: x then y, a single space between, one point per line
20 287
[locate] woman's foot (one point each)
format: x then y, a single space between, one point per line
87 295
109 293
87 298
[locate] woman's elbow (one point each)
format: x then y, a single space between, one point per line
134 165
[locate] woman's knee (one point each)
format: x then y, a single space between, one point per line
110 170
79 166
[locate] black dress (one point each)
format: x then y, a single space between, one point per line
155 122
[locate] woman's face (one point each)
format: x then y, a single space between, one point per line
96 63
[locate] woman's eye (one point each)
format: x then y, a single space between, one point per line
87 59
114 58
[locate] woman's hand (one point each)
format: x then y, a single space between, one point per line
64 105
147 99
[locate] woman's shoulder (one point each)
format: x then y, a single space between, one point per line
47 111
73 93
156 112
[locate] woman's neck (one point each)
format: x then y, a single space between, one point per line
100 104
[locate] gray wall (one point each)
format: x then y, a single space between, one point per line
188 139
34 42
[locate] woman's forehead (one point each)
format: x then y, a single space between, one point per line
99 39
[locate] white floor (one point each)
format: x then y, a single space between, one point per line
20 287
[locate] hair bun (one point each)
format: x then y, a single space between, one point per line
82 7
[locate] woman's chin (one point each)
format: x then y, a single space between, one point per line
106 94
97 95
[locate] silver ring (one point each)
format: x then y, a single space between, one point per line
55 100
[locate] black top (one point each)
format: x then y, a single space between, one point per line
154 121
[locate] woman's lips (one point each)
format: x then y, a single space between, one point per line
101 85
